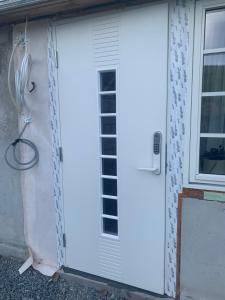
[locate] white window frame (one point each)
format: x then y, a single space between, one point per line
98 72
198 51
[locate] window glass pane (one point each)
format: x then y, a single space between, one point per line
108 125
213 115
109 146
110 207
109 166
108 81
108 104
214 29
109 187
212 156
110 226
214 73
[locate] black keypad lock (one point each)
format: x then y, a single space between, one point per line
157 143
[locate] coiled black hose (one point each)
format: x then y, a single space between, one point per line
17 164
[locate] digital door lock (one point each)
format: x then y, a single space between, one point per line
156 156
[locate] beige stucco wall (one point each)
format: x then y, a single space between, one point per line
11 209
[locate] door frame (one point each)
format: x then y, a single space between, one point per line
54 58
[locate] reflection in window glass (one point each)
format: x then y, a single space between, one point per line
212 156
110 207
214 73
214 29
109 166
110 226
108 81
213 115
109 187
108 125
108 104
109 146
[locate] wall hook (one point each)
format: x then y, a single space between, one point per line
33 87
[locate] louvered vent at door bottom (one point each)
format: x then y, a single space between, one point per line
110 259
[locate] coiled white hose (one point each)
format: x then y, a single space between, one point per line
21 84
21 81
21 76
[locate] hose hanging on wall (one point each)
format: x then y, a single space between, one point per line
21 85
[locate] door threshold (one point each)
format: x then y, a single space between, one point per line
105 286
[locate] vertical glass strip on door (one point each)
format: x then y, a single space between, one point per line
212 123
108 139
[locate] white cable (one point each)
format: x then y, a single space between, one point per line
13 98
21 84
21 81
22 75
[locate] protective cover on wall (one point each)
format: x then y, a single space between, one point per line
181 14
37 183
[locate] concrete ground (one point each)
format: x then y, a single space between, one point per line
34 286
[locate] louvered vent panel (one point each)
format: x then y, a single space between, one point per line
106 40
109 259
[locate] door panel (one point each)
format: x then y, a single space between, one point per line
121 235
142 79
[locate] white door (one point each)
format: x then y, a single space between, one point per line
112 88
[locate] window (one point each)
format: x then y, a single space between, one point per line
207 159
108 139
